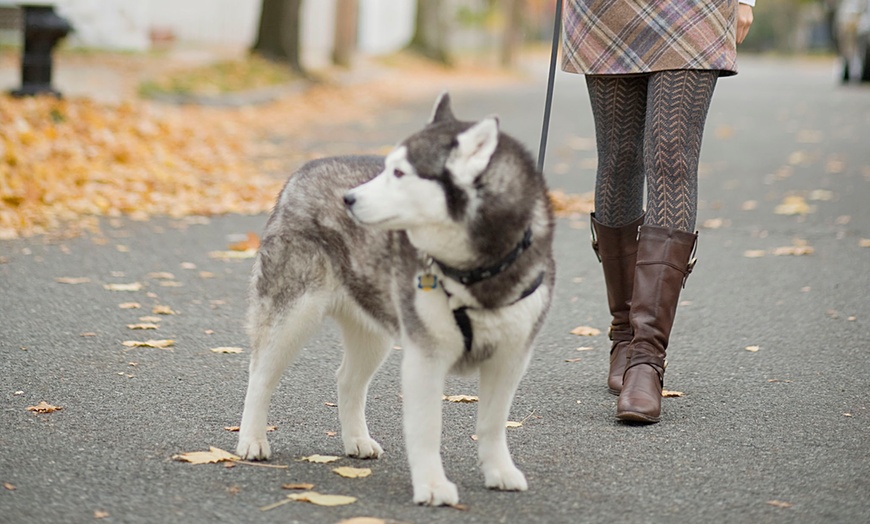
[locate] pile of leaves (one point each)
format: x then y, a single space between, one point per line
62 161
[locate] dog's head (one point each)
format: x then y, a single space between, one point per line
442 175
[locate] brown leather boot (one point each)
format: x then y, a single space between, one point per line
663 264
616 248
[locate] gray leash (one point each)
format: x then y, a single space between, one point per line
557 29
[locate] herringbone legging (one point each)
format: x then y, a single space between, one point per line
649 127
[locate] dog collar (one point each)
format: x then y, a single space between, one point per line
474 276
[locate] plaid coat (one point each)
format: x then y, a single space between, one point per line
610 37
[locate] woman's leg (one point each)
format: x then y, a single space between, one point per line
619 109
678 103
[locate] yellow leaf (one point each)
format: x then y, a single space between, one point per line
161 275
72 280
231 350
752 349
101 514
162 310
352 473
320 459
513 424
143 325
212 456
463 399
666 393
793 251
793 205
586 331
130 305
299 485
158 344
44 407
149 318
135 286
322 500
237 428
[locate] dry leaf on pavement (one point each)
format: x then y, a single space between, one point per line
230 350
352 473
142 325
793 251
252 242
306 486
779 504
72 280
752 349
754 253
320 459
9 486
320 499
212 456
464 399
130 305
585 331
44 407
162 310
793 205
666 393
237 428
158 344
233 255
133 286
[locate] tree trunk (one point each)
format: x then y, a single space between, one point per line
431 31
278 33
345 32
513 32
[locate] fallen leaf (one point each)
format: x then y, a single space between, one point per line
847 414
162 310
821 195
88 334
793 205
352 473
206 274
170 283
320 499
299 485
134 286
713 223
130 305
212 456
513 424
585 331
864 242
161 275
101 514
749 205
230 350
565 205
143 325
233 255
149 318
330 404
752 349
9 486
585 348
159 344
72 280
331 433
779 503
252 242
754 253
462 399
666 393
578 359
188 265
793 251
320 459
44 407
237 428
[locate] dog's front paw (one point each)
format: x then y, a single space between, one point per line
365 448
443 493
254 449
506 478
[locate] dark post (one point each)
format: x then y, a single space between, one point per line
43 28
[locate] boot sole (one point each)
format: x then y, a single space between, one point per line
633 416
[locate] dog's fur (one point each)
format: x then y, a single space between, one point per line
350 236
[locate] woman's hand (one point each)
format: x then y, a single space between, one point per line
744 20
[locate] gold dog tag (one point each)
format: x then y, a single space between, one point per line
427 282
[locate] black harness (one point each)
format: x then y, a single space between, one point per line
467 278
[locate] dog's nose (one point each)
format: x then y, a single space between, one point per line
349 199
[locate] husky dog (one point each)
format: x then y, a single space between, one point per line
445 245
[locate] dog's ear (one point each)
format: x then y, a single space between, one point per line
442 111
474 149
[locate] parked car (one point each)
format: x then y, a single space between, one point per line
852 30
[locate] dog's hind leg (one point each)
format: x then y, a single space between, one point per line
499 378
365 348
277 340
423 375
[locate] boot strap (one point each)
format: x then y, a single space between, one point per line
620 335
658 364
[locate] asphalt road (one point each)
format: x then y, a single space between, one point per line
779 434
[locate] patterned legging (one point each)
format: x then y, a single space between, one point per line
649 127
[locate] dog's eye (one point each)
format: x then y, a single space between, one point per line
398 173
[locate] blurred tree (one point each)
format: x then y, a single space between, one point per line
278 33
346 12
512 38
431 31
